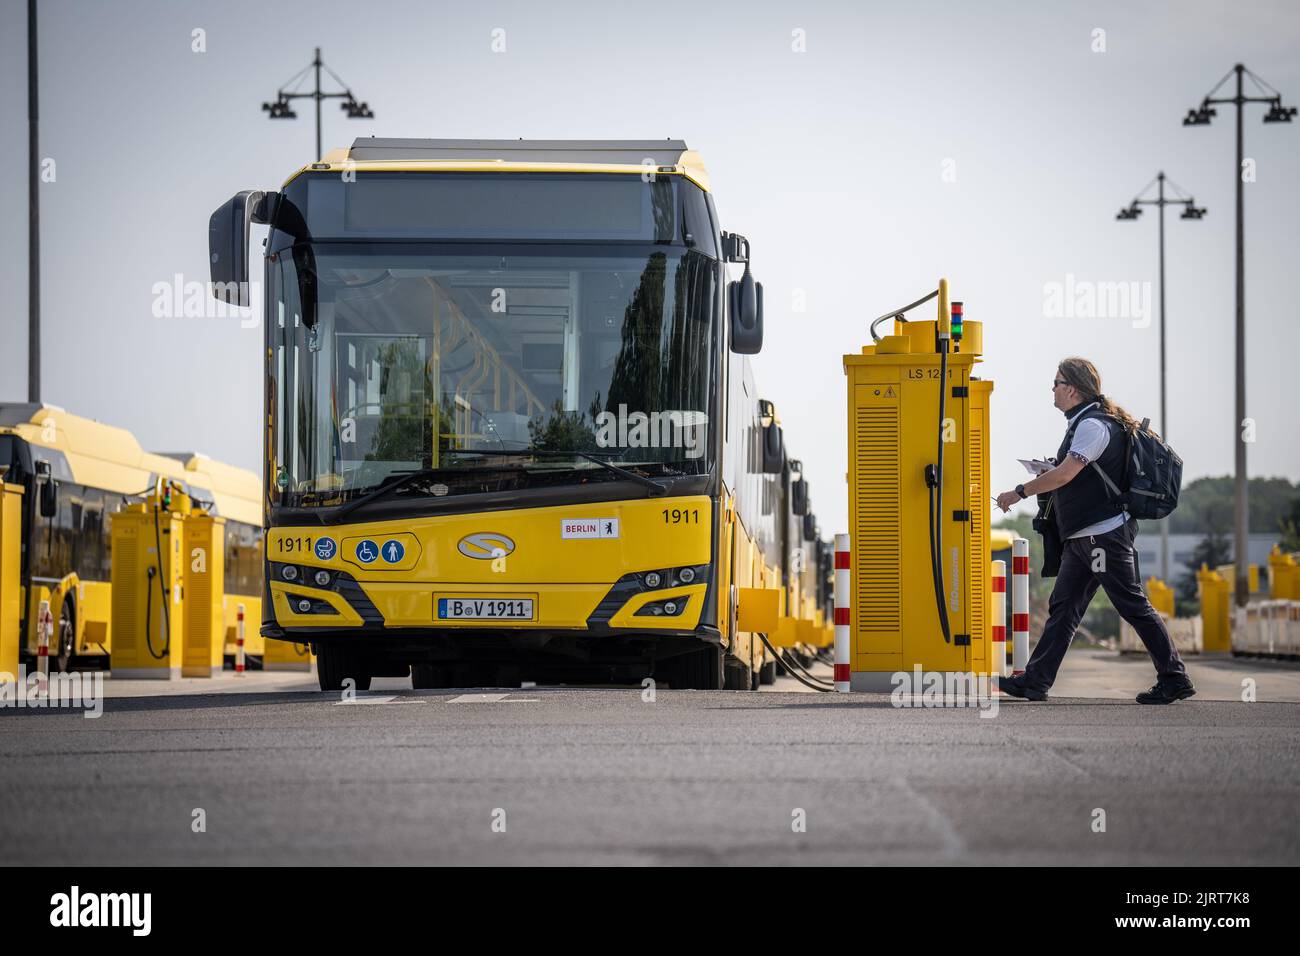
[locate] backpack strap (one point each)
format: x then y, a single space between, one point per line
1111 487
1114 489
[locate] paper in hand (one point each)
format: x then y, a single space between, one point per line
1035 466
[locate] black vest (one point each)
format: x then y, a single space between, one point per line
1086 500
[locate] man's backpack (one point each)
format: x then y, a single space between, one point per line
1153 475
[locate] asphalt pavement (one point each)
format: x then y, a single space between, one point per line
270 771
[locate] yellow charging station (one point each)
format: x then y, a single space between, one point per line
204 586
11 515
169 574
148 578
918 499
286 656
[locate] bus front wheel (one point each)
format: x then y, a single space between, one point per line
336 663
700 669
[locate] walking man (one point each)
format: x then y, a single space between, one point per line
1088 539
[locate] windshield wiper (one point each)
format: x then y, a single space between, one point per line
400 481
656 488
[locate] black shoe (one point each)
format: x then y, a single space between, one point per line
1016 687
1166 692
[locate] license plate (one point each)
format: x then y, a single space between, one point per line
485 609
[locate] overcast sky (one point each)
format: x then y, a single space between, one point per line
988 142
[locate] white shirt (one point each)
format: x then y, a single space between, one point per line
1090 440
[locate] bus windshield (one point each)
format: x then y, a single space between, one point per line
487 366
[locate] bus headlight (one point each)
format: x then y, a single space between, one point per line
322 579
289 572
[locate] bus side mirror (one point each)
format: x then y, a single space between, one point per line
228 232
49 498
773 450
745 298
799 497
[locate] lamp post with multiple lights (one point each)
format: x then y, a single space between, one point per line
281 108
1200 116
1190 211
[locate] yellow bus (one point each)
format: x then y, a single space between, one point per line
511 427
75 473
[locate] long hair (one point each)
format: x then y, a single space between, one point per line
1083 375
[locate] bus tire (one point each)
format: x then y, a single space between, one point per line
66 636
335 664
697 670
737 675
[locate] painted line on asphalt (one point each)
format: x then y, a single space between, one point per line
379 700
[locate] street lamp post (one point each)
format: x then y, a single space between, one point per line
1200 116
281 108
1131 212
33 214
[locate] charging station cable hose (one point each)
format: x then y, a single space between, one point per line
799 677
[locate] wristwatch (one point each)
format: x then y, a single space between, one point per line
1020 490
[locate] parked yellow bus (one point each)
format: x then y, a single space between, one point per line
511 427
75 473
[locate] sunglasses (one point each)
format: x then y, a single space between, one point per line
1056 382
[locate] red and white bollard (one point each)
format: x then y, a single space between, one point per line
1019 605
44 630
239 641
998 649
843 637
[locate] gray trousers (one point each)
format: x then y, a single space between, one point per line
1115 560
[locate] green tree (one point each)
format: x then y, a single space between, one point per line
1208 503
1290 527
563 430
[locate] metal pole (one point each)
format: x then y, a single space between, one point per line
1240 552
318 99
1164 424
33 216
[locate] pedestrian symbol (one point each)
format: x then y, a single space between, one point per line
367 551
393 551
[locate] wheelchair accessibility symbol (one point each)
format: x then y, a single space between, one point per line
325 548
367 551
393 551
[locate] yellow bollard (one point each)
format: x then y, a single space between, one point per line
1216 629
1282 576
1161 596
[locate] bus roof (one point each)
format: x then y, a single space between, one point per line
372 154
108 457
